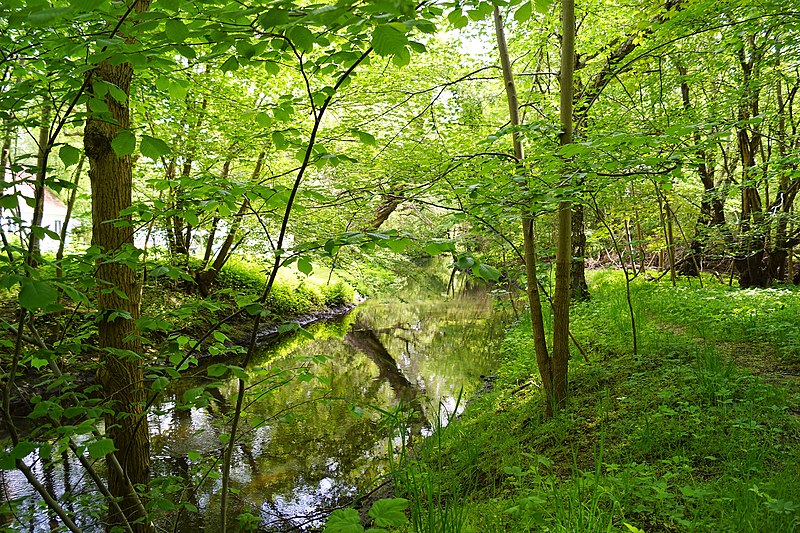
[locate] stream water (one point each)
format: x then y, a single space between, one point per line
314 432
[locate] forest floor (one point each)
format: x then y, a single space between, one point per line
699 431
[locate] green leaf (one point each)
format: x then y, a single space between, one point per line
170 5
389 39
178 91
38 363
23 449
46 17
343 521
160 383
523 12
272 67
286 327
487 272
457 18
280 141
465 262
217 370
162 83
302 38
397 245
263 119
124 143
84 5
543 6
153 148
230 64
100 448
402 57
98 106
37 295
364 137
304 266
176 30
389 512
69 155
9 202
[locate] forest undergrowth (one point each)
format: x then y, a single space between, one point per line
681 437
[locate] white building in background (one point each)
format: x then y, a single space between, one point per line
21 185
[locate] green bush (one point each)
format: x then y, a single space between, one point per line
338 293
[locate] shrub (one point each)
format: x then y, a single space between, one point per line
338 293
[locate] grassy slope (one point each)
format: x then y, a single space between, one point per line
677 438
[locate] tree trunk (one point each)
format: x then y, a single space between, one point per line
39 187
67 216
543 359
206 276
580 289
389 203
118 299
749 260
561 298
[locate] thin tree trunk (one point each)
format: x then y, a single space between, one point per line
118 298
42 156
670 242
580 289
562 294
528 229
206 277
70 206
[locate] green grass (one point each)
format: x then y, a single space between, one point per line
677 438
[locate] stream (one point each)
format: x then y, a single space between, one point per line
314 432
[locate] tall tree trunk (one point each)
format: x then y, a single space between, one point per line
543 360
711 203
118 299
553 370
564 246
753 235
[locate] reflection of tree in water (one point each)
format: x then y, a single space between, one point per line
364 339
313 444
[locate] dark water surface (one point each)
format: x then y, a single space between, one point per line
314 434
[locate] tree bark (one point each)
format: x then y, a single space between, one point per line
119 295
749 260
561 298
580 289
543 359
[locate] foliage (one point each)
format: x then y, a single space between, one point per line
679 437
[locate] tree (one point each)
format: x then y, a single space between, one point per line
119 292
552 367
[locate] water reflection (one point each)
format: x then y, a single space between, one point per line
314 435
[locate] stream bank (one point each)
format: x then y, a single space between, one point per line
315 426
